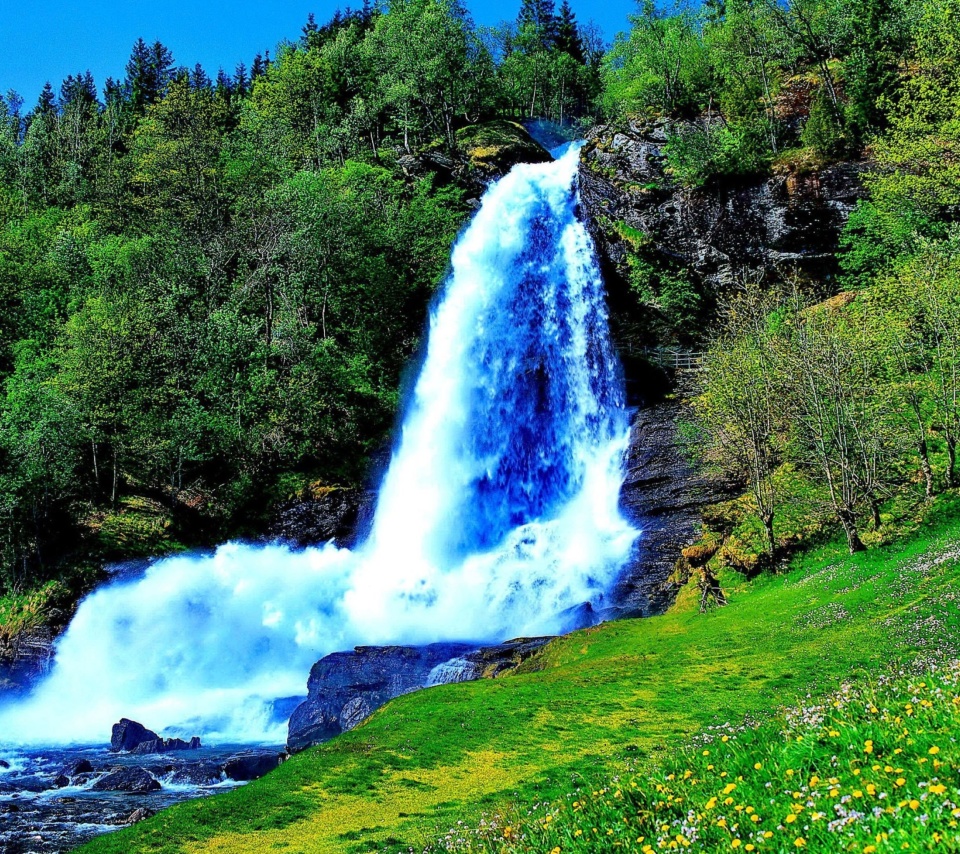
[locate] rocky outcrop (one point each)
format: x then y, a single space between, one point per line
332 514
166 745
347 687
663 495
128 735
759 228
133 737
485 152
130 780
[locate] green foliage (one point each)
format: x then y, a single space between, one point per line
740 82
661 67
823 131
696 155
210 290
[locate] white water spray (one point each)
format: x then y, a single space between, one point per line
498 512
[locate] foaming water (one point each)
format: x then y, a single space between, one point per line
498 512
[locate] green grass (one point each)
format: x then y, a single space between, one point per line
871 768
617 699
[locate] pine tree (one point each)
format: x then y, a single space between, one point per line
310 31
149 72
568 33
258 69
199 78
47 105
241 82
540 15
225 84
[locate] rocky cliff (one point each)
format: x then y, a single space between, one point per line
761 229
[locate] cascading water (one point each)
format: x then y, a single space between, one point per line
498 512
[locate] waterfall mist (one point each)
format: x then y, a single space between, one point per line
499 509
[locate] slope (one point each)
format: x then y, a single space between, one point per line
601 700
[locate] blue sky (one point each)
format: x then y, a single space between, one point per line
48 41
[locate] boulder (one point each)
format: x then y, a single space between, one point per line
79 766
169 745
196 773
138 815
131 780
60 781
128 735
345 687
4 764
250 766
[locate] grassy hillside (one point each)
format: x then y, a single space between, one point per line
617 698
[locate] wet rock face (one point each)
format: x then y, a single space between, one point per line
128 735
24 658
312 520
759 228
131 780
663 495
347 687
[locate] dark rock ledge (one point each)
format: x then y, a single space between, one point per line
347 687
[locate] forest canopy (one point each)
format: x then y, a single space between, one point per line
210 285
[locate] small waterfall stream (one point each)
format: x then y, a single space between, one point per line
498 512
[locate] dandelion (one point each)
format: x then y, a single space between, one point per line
735 843
799 842
933 751
868 747
757 765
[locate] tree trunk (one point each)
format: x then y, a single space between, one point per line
875 510
926 468
951 462
113 491
848 520
767 519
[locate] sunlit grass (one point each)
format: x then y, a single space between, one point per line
870 768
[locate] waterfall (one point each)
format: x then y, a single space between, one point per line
498 512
